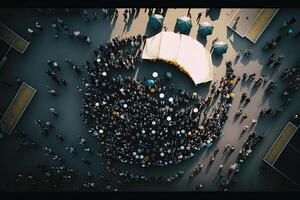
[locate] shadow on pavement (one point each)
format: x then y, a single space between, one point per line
151 31
216 59
202 40
214 13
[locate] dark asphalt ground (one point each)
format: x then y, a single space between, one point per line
31 67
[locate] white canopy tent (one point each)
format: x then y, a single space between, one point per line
183 51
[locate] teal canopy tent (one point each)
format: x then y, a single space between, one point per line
205 28
156 21
184 24
220 47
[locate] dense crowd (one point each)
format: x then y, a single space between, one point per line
143 128
142 123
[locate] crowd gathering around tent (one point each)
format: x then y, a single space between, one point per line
149 122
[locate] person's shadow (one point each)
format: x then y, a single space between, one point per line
235 118
129 22
214 13
208 167
164 12
137 13
254 89
216 59
202 39
150 31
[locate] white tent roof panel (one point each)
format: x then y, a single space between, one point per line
195 59
169 46
152 47
185 51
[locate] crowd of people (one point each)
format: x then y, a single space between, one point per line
292 76
142 128
143 124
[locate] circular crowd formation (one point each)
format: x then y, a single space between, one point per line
148 124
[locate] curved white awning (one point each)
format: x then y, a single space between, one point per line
183 51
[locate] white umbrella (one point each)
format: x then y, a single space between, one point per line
153 123
100 131
195 110
161 95
162 154
171 99
104 73
155 74
125 105
168 118
98 60
97 104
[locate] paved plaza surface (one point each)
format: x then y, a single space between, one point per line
32 65
243 19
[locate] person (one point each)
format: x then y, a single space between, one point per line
291 21
297 35
278 60
200 166
52 92
244 96
63 81
76 69
189 13
52 110
30 31
213 43
125 15
231 149
85 161
238 55
271 59
60 137
198 17
220 168
248 52
198 188
216 150
38 26
245 129
95 15
239 112
212 159
207 12
236 20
